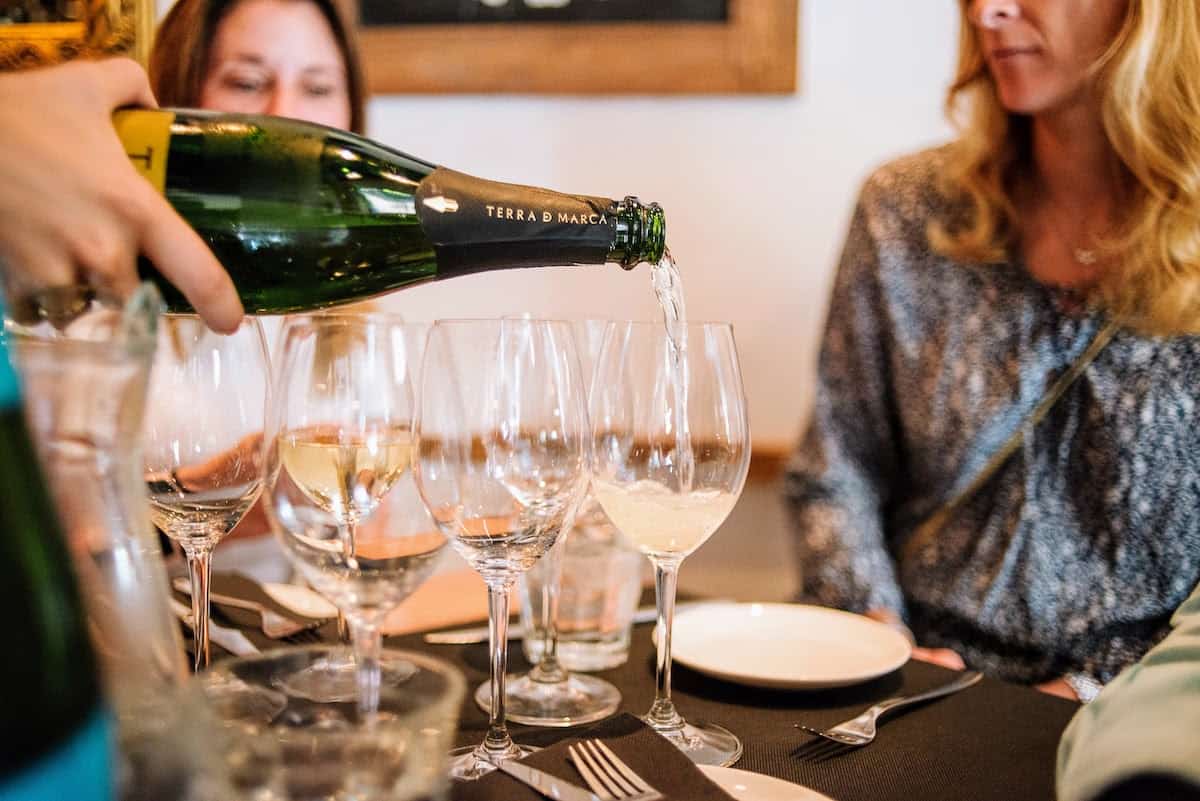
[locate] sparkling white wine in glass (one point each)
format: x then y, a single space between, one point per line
339 489
670 453
661 522
202 452
345 476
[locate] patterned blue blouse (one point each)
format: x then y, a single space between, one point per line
1071 558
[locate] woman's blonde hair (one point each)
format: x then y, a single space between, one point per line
1149 84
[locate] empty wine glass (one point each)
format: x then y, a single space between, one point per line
550 695
203 439
670 453
502 464
339 442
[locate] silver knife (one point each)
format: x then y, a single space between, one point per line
474 634
548 785
231 640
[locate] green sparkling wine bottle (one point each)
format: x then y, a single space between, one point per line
303 216
57 732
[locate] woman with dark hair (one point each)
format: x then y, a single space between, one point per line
289 58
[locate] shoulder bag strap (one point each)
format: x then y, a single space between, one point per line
935 522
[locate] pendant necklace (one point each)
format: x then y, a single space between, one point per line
1072 300
1084 256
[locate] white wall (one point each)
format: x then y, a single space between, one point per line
757 190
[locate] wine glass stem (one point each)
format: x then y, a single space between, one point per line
199 562
548 670
497 741
368 645
663 715
347 534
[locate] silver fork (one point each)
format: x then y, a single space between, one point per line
273 624
607 774
861 730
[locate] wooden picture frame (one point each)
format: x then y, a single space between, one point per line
78 29
753 51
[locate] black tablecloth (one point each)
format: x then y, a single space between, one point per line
658 762
992 741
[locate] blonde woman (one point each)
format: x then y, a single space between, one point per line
1004 454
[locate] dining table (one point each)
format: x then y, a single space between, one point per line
995 740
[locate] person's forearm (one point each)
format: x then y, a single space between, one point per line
74 211
1143 724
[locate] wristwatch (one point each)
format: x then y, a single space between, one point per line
1084 686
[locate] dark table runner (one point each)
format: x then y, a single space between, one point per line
654 759
992 741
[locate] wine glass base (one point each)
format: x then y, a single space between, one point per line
579 699
472 762
704 743
273 746
248 702
333 679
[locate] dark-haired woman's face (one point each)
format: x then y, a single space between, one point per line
1040 52
277 57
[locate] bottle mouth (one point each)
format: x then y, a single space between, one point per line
656 236
648 228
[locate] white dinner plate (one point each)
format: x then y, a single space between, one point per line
746 786
786 646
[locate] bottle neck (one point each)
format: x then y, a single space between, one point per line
641 233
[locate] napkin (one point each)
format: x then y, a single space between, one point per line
661 764
453 598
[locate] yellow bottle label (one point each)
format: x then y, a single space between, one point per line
146 135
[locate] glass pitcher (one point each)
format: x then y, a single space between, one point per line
85 392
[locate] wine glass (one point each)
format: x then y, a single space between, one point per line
203 439
550 695
670 453
339 443
501 463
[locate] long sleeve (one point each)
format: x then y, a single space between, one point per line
1146 721
837 482
927 366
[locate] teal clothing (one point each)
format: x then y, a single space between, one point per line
1146 721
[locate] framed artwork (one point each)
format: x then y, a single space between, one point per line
579 46
38 32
